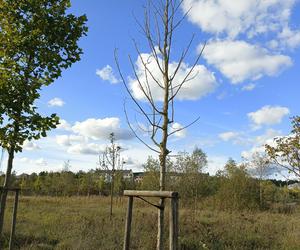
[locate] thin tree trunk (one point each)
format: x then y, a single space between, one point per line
163 149
260 195
111 193
5 186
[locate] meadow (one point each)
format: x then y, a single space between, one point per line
83 223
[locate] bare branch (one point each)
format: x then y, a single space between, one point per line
188 74
180 129
182 57
146 67
128 91
136 135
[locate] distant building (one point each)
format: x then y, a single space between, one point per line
138 176
126 174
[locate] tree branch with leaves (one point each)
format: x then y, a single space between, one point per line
286 151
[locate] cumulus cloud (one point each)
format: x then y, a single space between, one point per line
227 136
64 125
215 163
260 141
240 61
107 74
289 38
249 87
101 129
267 137
41 162
68 140
30 145
233 18
86 149
56 102
24 160
201 81
177 126
237 138
268 115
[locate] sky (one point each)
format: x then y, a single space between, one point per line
245 90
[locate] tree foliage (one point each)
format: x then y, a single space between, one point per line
37 41
286 152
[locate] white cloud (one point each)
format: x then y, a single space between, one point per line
30 145
64 125
227 136
24 160
68 140
41 162
268 115
86 149
201 81
56 102
215 163
237 138
107 74
269 135
289 38
249 87
101 129
240 61
233 18
176 126
260 141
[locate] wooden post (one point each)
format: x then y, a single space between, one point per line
14 217
173 224
128 224
176 221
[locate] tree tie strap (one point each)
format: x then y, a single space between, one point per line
152 204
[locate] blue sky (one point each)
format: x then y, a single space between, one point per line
247 88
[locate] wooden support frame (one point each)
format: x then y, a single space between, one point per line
174 215
14 214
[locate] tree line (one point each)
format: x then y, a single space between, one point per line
233 188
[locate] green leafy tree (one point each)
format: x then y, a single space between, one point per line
38 39
151 177
189 177
286 152
260 166
237 190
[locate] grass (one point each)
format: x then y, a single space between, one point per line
83 223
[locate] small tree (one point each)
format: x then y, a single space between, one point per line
37 41
190 168
161 22
260 166
286 152
237 190
190 178
110 162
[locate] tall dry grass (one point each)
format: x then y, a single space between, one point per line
83 223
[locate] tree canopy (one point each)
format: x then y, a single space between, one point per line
37 41
286 151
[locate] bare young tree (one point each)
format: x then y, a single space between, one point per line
110 161
161 20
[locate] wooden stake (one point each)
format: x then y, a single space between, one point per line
173 224
128 224
14 217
